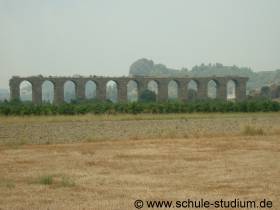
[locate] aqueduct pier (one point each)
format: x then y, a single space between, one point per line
142 84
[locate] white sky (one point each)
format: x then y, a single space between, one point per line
103 37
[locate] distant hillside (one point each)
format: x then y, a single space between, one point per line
4 94
145 67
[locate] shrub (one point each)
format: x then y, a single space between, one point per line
147 96
96 107
251 131
46 180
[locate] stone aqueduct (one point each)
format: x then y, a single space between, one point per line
142 83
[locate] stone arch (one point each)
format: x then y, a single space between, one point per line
48 91
112 91
212 89
90 89
70 91
173 87
25 90
231 89
153 86
192 89
132 91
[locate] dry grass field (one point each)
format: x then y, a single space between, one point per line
107 162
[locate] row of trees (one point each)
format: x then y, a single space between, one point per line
95 107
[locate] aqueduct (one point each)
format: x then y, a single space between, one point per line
122 82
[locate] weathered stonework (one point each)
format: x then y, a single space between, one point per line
142 83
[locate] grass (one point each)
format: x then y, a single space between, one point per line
46 180
16 144
130 117
16 131
67 182
113 174
7 183
207 156
51 180
252 131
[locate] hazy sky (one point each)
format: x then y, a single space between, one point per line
103 37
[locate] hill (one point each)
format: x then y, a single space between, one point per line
145 67
4 94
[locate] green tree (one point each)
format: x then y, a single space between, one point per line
147 96
265 92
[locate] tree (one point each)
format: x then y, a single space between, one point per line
147 96
265 92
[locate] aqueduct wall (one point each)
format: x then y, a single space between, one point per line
142 83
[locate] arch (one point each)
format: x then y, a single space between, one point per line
112 91
231 90
47 91
153 86
173 90
90 89
132 91
25 92
70 91
192 90
212 89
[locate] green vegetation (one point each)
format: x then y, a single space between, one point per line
7 183
145 67
64 181
67 182
46 180
148 96
26 108
252 131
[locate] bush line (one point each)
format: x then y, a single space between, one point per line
84 107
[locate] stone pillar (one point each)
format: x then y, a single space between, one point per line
202 89
162 91
80 90
183 90
37 91
222 90
14 90
58 92
101 90
122 91
241 89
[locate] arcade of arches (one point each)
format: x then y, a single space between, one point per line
121 89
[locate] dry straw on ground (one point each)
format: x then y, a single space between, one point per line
112 174
91 128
